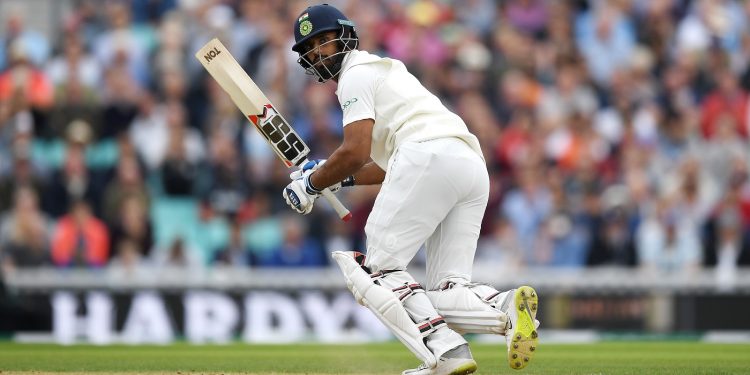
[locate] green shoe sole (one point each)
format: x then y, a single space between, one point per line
525 340
468 368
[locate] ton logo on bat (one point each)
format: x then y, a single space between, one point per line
211 54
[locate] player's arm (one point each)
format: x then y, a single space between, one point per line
369 174
349 158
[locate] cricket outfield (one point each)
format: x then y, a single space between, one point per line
637 358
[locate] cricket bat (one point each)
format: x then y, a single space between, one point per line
256 107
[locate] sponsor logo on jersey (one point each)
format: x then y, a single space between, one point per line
347 103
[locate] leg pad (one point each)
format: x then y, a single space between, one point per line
384 302
471 308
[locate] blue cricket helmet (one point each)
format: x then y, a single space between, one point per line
314 21
319 19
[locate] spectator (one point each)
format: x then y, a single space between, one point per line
296 249
567 230
576 144
517 143
568 97
24 239
612 243
518 91
728 102
22 174
675 145
317 125
127 183
7 132
262 229
696 196
529 16
501 247
125 44
251 28
33 43
133 225
720 153
80 239
235 253
559 41
228 188
728 228
75 64
179 254
74 104
86 19
527 208
148 131
667 244
128 259
74 181
172 86
480 119
76 77
729 246
183 153
606 39
338 236
707 22
475 14
24 82
412 34
144 11
272 58
119 102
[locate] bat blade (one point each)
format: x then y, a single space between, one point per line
252 102
256 107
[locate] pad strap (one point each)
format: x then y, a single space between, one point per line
407 290
431 325
380 274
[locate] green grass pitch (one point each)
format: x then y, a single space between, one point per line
638 358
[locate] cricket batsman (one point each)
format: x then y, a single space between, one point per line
434 192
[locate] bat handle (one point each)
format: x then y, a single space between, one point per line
342 211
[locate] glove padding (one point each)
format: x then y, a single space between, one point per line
300 195
314 165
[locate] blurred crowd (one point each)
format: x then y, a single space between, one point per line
615 132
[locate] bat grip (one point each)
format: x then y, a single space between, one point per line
342 211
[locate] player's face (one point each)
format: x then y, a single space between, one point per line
320 47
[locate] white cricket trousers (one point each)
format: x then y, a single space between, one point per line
434 193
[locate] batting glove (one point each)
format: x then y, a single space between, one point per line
310 166
300 195
314 165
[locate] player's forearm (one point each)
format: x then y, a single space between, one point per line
339 166
369 174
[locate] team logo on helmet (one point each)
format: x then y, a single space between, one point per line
305 27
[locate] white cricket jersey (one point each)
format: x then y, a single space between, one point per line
404 111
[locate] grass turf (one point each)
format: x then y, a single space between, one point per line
637 358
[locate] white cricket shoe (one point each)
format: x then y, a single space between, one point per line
447 365
522 337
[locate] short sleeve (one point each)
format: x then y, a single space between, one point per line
357 93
